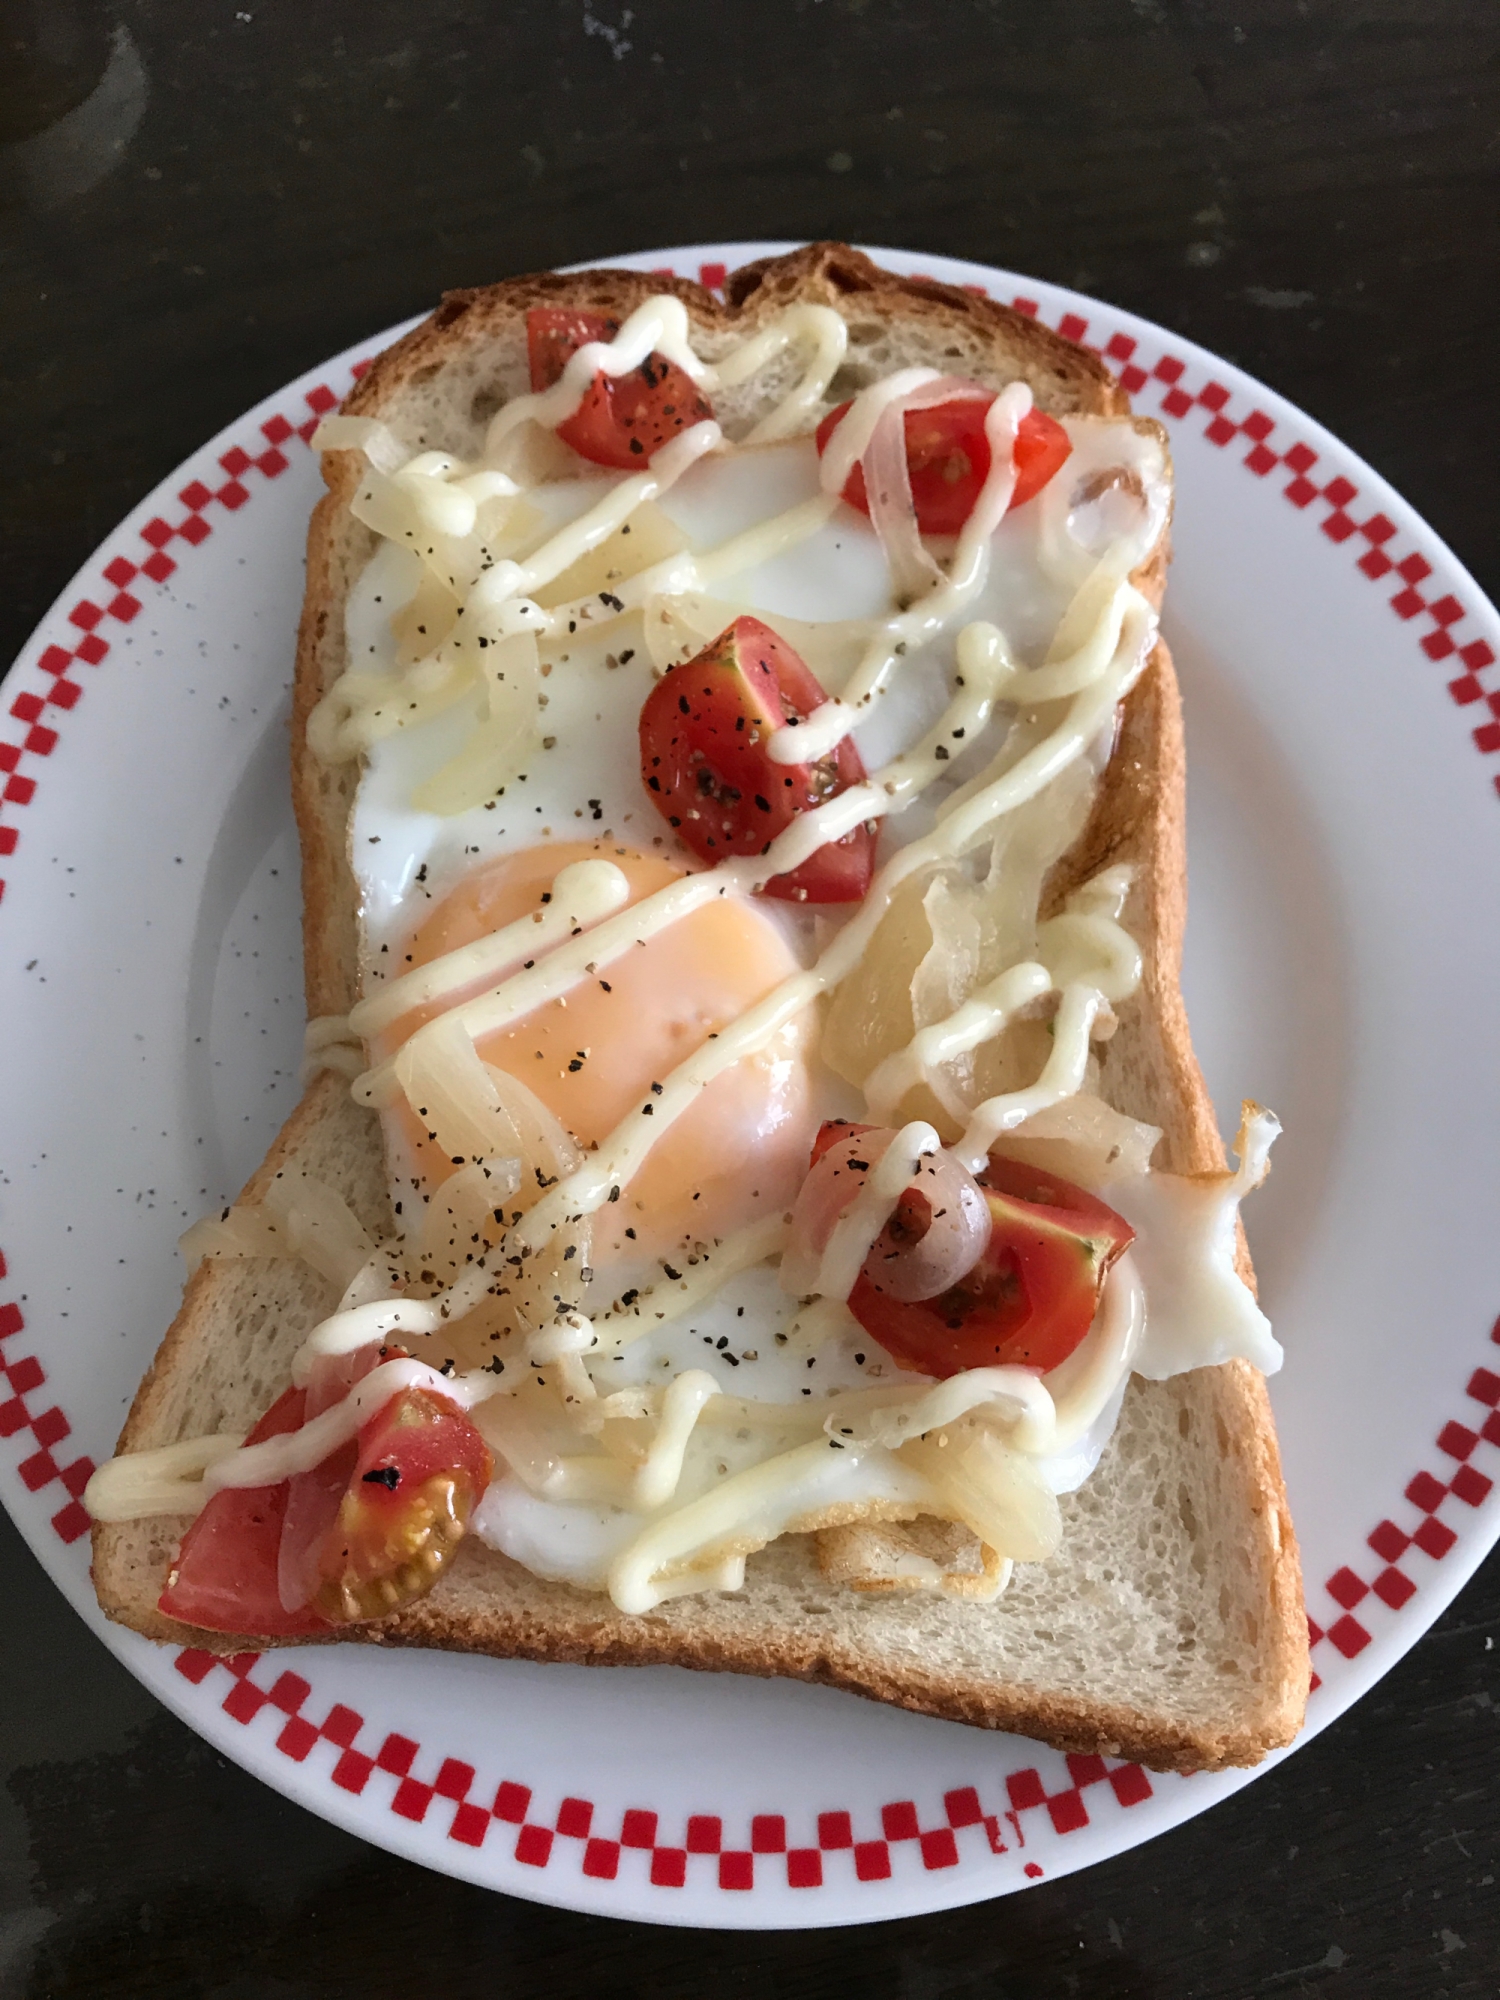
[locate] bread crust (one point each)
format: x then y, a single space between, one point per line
487 1604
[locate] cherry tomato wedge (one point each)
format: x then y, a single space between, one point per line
703 759
313 1498
948 459
421 1468
224 1578
1032 1296
410 1481
623 420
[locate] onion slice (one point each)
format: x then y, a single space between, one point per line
893 513
936 1236
934 1233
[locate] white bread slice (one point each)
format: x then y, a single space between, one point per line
1170 1627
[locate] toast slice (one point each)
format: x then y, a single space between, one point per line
1170 1627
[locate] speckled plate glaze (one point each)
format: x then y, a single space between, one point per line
1343 703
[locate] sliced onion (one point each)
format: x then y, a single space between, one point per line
949 1239
893 513
828 1190
907 1268
319 1226
1085 1140
499 744
312 1501
298 1216
1107 507
997 1492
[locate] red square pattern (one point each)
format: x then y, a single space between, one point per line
1392 1584
1067 1808
411 1797
1348 1636
1393 1587
1474 1487
39 1468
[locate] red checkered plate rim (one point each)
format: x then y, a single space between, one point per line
705 1799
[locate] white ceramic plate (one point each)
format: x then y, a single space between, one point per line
1339 672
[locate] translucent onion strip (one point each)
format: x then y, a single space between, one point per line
507 733
827 726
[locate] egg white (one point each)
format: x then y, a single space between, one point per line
586 782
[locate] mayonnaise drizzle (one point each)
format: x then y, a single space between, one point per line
1083 955
982 1016
853 1236
1084 946
620 1154
581 894
277 1458
661 326
1079 1010
758 1505
826 727
168 1480
517 580
897 785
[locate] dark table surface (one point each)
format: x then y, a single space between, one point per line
197 201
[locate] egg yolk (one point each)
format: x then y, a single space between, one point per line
740 1149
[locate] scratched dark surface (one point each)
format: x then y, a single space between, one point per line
1309 189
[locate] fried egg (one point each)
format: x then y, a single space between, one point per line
429 884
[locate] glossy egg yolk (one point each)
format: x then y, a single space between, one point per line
740 1150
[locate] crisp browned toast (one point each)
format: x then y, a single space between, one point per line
1170 1627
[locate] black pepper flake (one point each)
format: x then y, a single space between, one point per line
388 1476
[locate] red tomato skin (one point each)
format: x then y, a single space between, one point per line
831 1131
448 1443
948 458
421 1469
1032 1297
623 420
224 1578
702 729
314 1498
